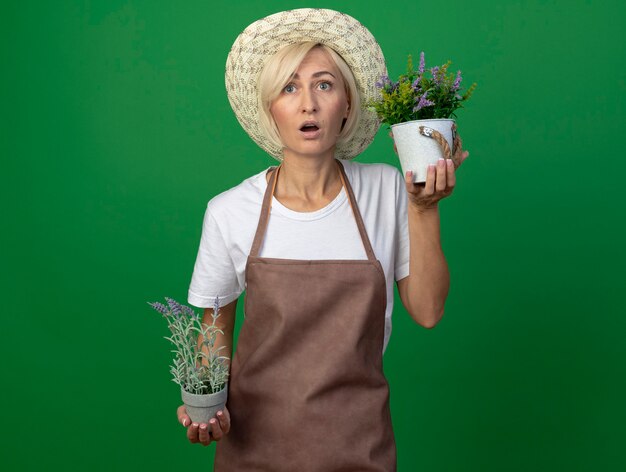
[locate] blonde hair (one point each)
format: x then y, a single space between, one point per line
278 71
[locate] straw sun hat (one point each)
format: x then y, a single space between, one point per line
265 37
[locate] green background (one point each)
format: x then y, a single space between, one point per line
116 131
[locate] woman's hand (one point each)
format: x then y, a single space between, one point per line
203 433
440 179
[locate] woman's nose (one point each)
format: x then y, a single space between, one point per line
308 103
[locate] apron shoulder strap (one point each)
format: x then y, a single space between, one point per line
265 210
357 213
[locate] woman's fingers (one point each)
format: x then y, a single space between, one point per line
215 429
431 176
192 433
224 419
183 418
441 179
451 177
408 181
204 434
464 156
192 428
220 425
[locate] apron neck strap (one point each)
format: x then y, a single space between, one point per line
267 203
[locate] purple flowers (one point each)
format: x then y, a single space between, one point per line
174 306
189 312
457 82
216 305
436 75
382 83
174 309
160 308
415 96
386 84
422 102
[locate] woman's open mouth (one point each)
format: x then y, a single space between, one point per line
310 130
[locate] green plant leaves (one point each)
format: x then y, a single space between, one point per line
417 97
190 335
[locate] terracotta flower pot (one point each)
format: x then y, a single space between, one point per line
417 149
201 408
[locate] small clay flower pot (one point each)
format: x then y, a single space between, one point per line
417 149
201 408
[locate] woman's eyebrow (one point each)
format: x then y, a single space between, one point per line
316 74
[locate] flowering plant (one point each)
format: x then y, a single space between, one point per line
417 97
188 369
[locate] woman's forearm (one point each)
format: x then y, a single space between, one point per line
429 279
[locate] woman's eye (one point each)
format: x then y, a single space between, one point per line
290 88
325 86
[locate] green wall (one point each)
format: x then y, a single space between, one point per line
116 131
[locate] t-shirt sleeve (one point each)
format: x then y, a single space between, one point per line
402 243
214 272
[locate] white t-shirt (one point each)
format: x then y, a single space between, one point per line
231 220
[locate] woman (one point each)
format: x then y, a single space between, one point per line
307 389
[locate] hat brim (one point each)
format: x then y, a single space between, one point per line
265 37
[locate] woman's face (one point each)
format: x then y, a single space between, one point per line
311 108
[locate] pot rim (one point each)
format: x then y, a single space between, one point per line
204 395
421 121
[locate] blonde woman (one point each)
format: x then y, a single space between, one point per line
317 243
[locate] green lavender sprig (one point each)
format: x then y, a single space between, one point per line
193 369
